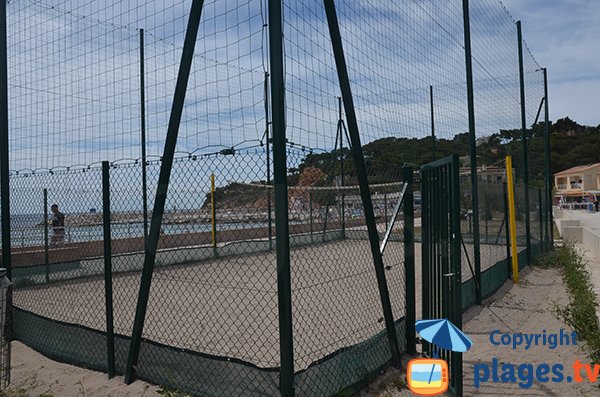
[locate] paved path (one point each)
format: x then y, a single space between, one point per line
591 220
526 308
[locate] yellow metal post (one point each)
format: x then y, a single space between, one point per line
512 217
213 210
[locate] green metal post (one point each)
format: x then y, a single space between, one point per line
549 184
143 138
425 244
524 140
4 163
432 122
282 242
108 287
268 145
213 215
163 186
340 128
409 260
310 204
541 216
46 240
486 211
361 174
385 209
473 149
457 372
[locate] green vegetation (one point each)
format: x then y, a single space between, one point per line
346 393
571 144
171 392
580 313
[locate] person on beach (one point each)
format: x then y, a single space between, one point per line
58 226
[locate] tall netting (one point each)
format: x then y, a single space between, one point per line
75 87
93 82
498 121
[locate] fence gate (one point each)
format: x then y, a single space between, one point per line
441 255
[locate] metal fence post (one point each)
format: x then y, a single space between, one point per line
409 260
361 174
4 146
282 242
163 186
385 209
486 211
343 198
472 149
268 147
108 287
46 242
549 184
506 226
513 223
541 216
457 361
432 123
310 211
213 215
143 138
524 140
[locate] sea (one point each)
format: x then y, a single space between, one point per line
27 230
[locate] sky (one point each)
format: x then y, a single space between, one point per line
564 36
74 73
74 76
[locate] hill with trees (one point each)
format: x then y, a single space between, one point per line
571 144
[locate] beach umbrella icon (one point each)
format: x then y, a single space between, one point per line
444 335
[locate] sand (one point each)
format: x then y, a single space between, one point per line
527 308
35 375
228 307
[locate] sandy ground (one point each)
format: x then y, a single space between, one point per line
35 375
210 305
527 308
228 307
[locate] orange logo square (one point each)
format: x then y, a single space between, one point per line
427 376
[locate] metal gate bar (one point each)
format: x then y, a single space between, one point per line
441 249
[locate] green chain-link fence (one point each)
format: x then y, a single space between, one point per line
211 323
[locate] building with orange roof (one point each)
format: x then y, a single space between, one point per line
578 184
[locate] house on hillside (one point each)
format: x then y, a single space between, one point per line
490 174
578 184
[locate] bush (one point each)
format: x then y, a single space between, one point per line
580 313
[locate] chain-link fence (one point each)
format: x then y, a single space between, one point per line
194 296
212 321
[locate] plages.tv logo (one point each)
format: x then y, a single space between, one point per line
429 376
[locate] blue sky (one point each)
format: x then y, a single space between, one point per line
564 36
74 73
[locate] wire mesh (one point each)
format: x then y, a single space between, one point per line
212 326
